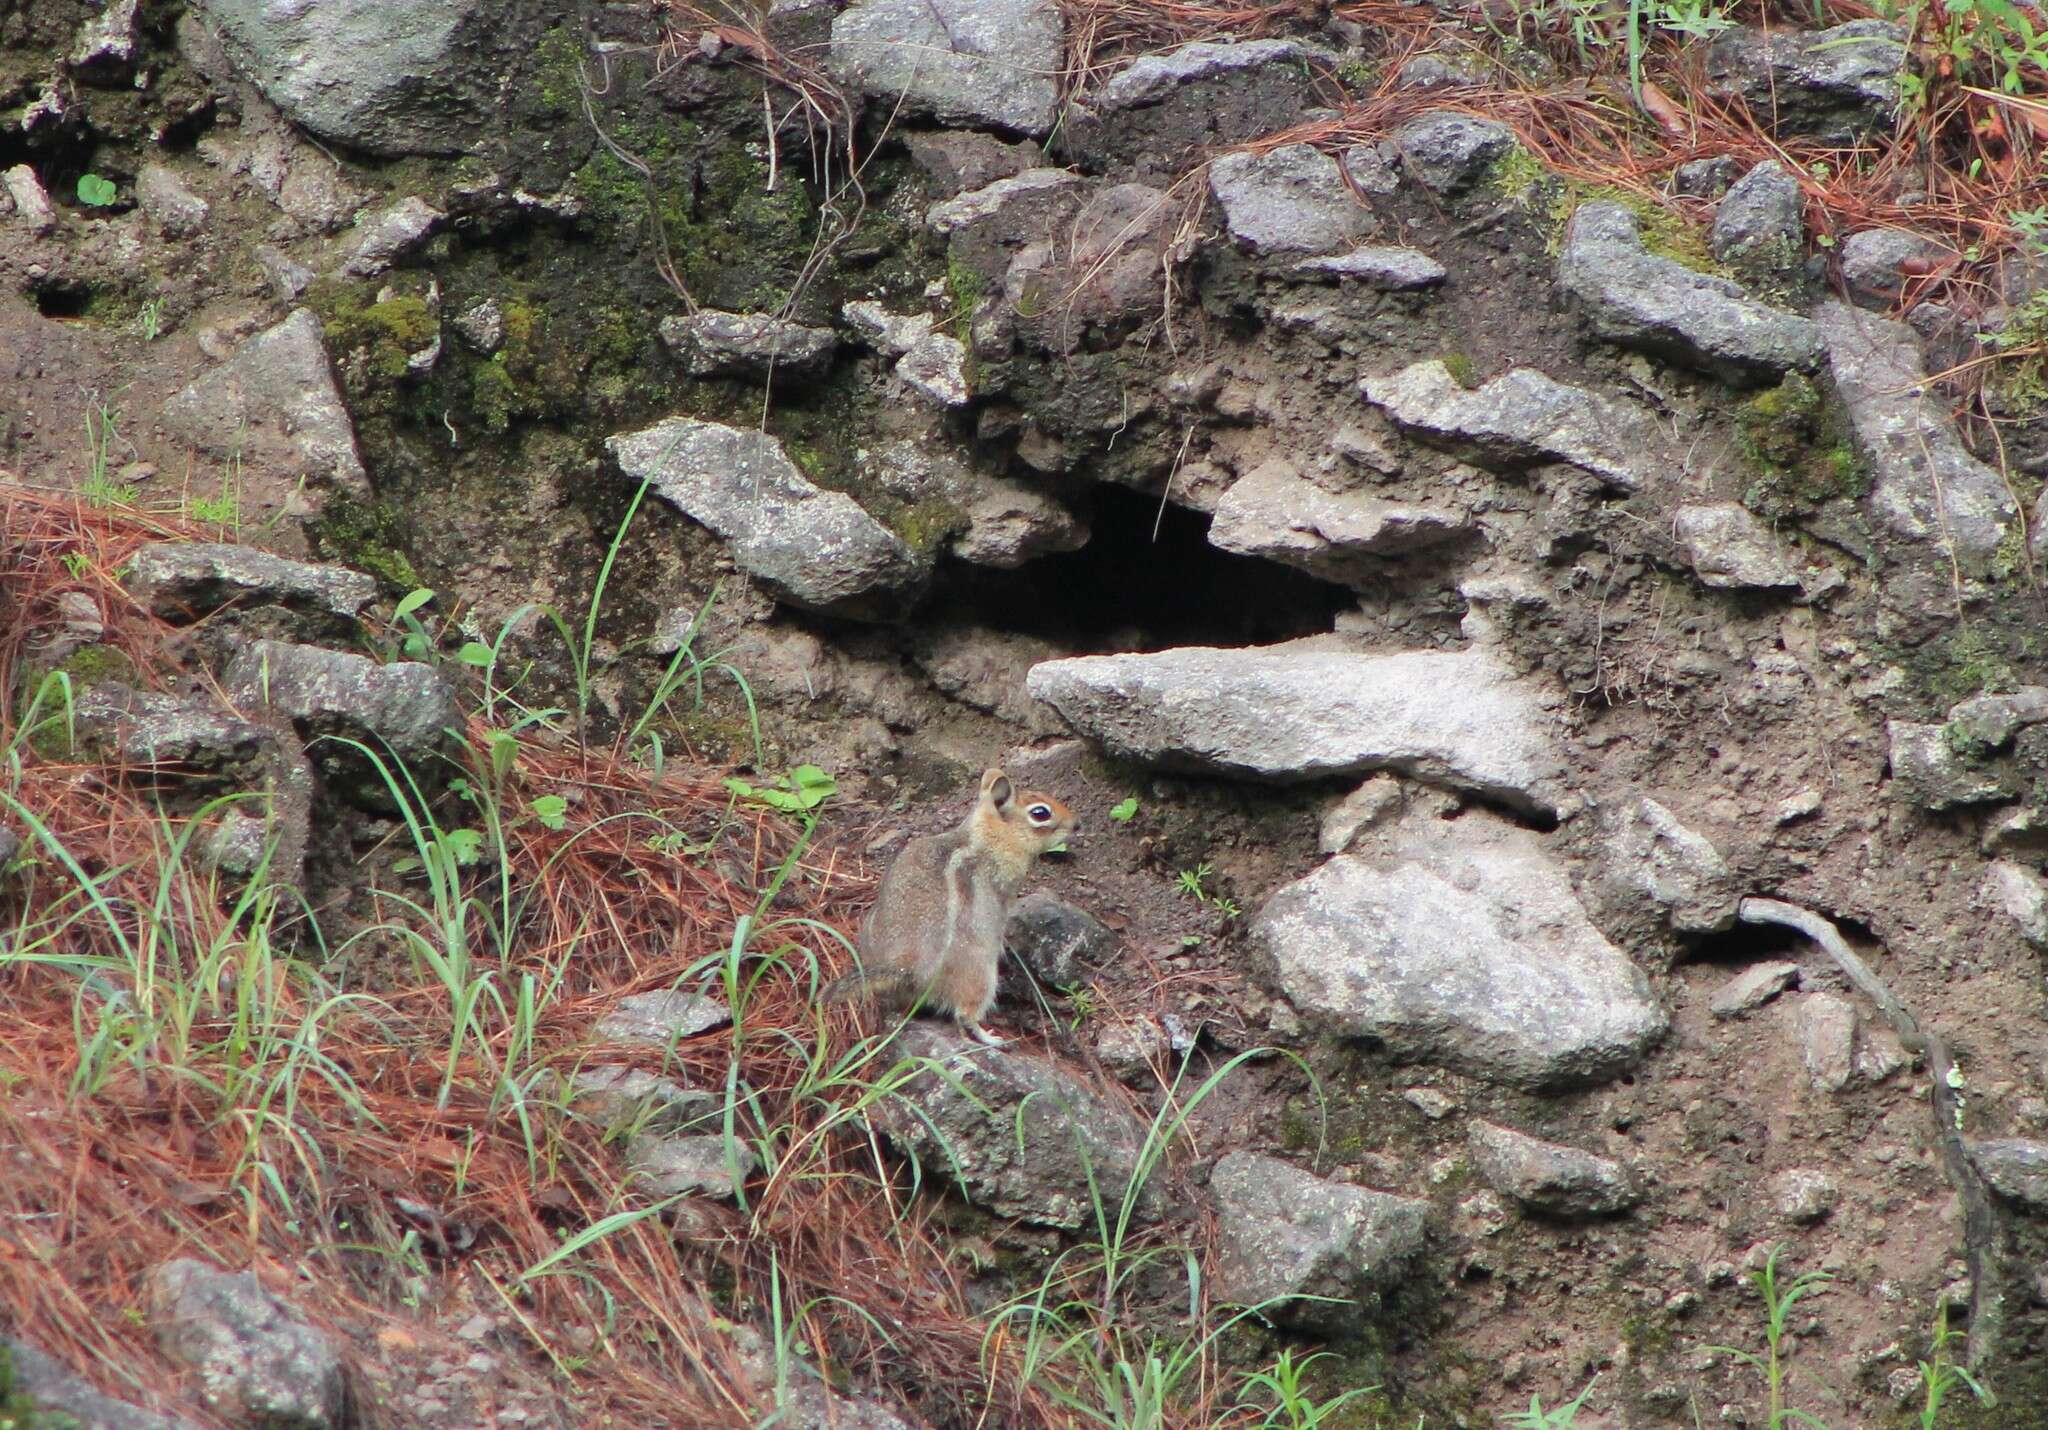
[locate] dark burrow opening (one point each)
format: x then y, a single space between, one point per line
1737 948
1131 589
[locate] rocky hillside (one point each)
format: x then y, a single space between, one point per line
1516 527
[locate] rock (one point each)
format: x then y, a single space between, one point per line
958 160
662 1017
1802 1196
104 51
405 710
993 62
715 344
1752 988
238 845
1298 712
1649 855
1055 940
146 730
811 547
1463 945
1362 809
1874 263
288 277
1833 85
1826 1029
1156 78
10 848
1932 772
66 1400
187 581
1659 306
1731 549
1283 1234
2017 832
2018 892
384 76
166 202
2014 1168
274 407
1208 95
1391 270
1448 151
257 1360
1431 1102
1548 1177
1292 199
1143 1044
1021 1136
891 333
615 1097
1001 522
481 326
1925 485
32 208
936 368
1441 71
1275 512
1519 419
1761 217
689 1166
985 228
390 234
1706 178
1992 720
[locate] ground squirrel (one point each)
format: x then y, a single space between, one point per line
937 926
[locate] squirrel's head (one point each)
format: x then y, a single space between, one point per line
1034 820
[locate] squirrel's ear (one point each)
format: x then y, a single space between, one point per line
995 787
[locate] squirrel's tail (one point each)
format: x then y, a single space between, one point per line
859 984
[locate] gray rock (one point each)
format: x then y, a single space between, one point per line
1441 71
390 234
1933 773
1003 522
186 581
66 1400
1462 945
1834 85
2017 833
966 61
1144 1044
1156 78
1659 306
146 730
288 277
959 160
10 847
385 76
715 344
274 407
1873 262
1056 940
1298 712
1520 419
406 708
887 332
936 368
615 1097
1752 988
1649 855
1021 1136
166 202
1548 1177
257 1359
1365 807
985 228
689 1166
1761 216
2015 1168
1706 178
1826 1028
238 844
663 1016
2018 892
1803 1196
104 51
1292 199
1448 151
1992 720
1275 512
1283 1234
813 548
1391 270
31 206
1926 484
481 326
1730 548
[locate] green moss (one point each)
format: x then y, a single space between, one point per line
1665 233
366 536
98 665
1970 661
1517 176
1797 446
2020 381
18 1411
1462 369
384 333
558 70
927 524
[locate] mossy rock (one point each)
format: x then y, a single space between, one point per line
1795 439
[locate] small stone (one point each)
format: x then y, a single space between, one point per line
1802 1196
1930 771
936 367
1730 549
1752 988
1826 1029
2015 1168
1447 152
662 1017
958 161
1391 270
1761 217
1431 1103
1650 855
1875 263
1706 178
2019 893
165 201
481 326
1292 199
1143 1044
690 1166
1548 1177
288 277
391 234
257 1361
615 1096
32 207
1376 800
757 345
2022 832
1803 805
1056 940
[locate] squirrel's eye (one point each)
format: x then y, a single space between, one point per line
1040 813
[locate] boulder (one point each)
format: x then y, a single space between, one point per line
992 62
1549 1177
1390 270
1875 260
2015 1168
663 1016
811 547
1648 855
1932 769
1520 419
187 581
405 710
757 345
1150 116
1925 486
1750 989
1449 151
1283 1235
1292 199
1659 306
1055 940
274 407
1275 512
1834 85
1461 943
1761 217
1021 1136
1730 549
257 1360
1301 711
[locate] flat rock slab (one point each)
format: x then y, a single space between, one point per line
1549 1177
406 708
1750 989
1461 944
695 1166
993 62
186 581
1925 486
1288 200
1299 712
663 1016
274 406
1283 1233
1730 549
759 345
1149 117
1521 418
1019 1134
151 730
1657 305
1154 79
257 1361
811 547
2015 1168
1275 512
1391 270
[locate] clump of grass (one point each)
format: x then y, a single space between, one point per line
1779 1298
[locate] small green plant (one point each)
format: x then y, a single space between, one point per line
1564 1417
1939 1375
150 320
799 792
1125 810
224 509
551 810
95 192
1779 1299
1192 882
1293 1406
102 434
